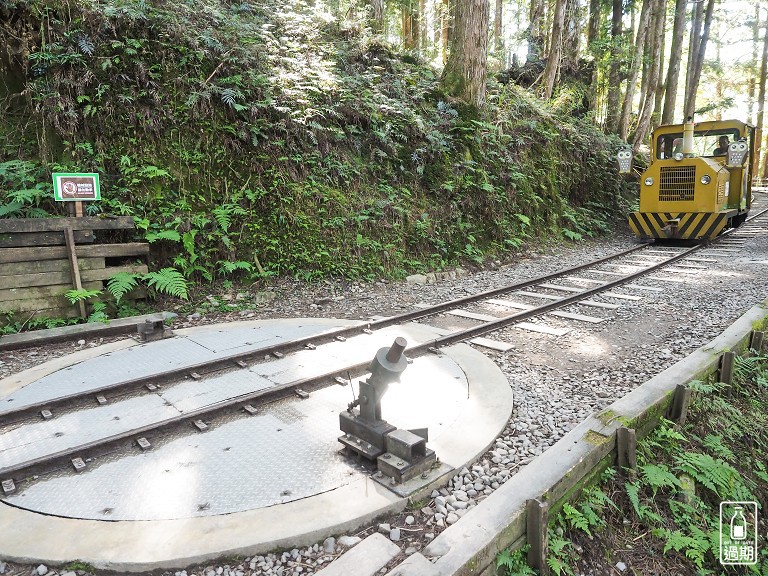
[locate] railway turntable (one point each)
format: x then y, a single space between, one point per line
137 456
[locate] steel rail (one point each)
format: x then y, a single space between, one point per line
354 370
230 361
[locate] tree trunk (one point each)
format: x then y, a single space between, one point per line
498 38
661 31
410 19
464 73
555 50
675 55
697 50
571 36
536 33
658 13
593 26
446 28
751 84
629 95
761 96
614 73
377 15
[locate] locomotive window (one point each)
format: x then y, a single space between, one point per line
704 143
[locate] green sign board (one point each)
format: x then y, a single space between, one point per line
76 187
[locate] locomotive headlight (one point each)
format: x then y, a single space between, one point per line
649 181
706 179
678 156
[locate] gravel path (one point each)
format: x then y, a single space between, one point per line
557 381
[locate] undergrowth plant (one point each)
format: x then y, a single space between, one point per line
666 512
243 155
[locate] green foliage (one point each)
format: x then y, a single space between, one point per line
239 152
683 474
167 281
514 563
121 283
81 295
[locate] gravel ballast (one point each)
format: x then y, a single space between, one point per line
557 381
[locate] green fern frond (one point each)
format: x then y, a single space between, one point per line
714 444
171 235
715 475
168 281
81 295
658 476
122 283
226 267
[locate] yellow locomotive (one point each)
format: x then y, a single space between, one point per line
699 180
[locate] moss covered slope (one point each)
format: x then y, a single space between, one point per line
269 134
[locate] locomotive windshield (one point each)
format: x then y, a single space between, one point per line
704 143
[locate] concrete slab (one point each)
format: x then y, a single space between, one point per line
365 559
130 546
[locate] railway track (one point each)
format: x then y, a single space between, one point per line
17 421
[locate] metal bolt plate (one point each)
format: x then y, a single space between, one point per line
101 400
241 364
277 354
78 464
195 375
200 425
341 338
250 409
143 443
340 381
310 346
46 414
301 393
151 387
8 486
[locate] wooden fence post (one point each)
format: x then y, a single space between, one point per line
537 518
626 447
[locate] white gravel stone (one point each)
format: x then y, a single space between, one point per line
394 534
349 541
42 569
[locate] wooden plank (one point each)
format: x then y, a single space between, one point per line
60 224
21 239
74 269
472 315
55 299
56 278
40 266
18 294
27 315
114 326
59 252
107 273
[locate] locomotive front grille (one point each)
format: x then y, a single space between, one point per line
677 183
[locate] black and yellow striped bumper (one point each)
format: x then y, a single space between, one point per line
679 225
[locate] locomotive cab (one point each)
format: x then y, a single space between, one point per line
698 182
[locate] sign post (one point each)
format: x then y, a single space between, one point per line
75 187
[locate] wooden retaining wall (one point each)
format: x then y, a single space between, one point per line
42 258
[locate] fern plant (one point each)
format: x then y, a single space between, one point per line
167 281
513 563
81 295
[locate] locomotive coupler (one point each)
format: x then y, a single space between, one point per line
400 454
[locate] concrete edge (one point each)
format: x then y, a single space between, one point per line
111 327
470 546
370 555
148 545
